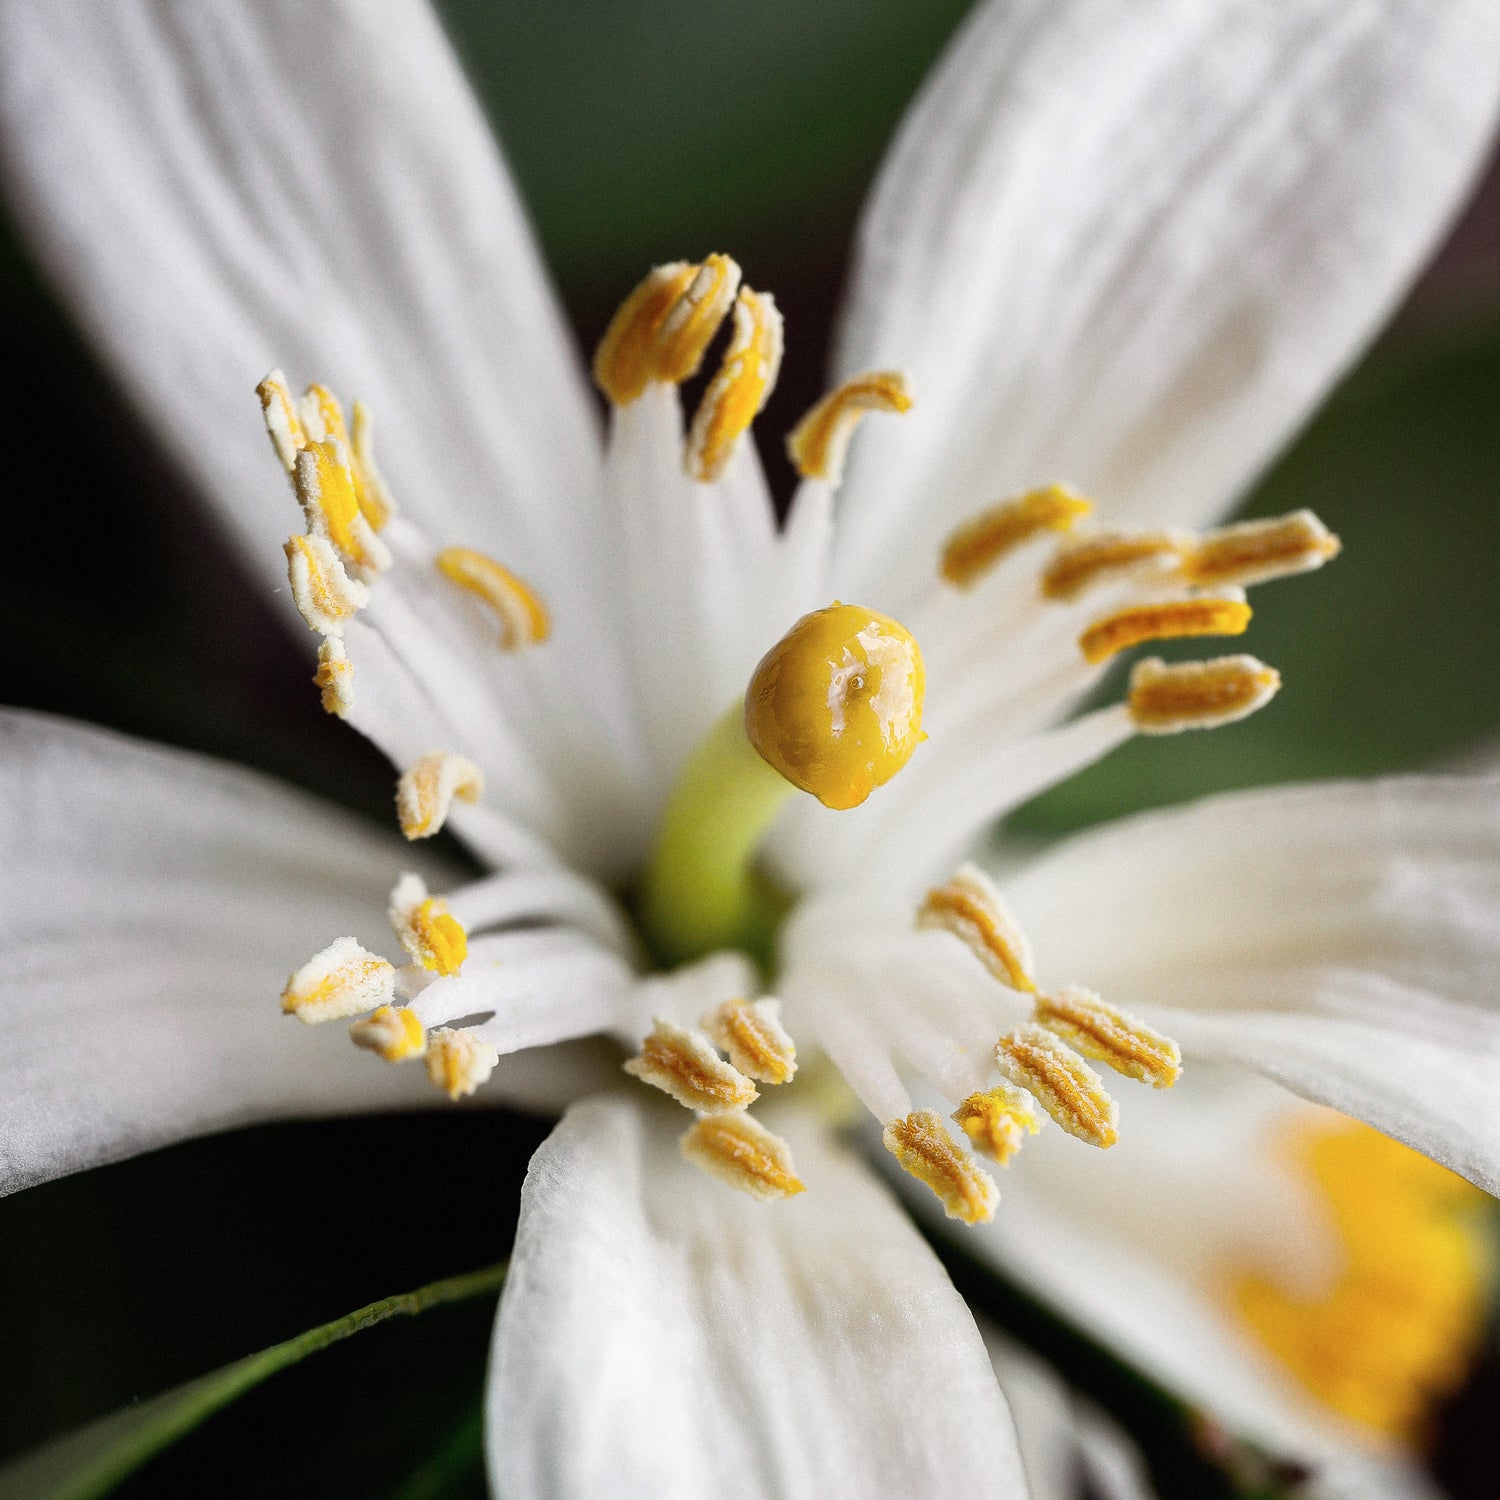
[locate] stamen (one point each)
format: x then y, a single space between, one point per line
335 675
819 443
459 1060
662 329
836 705
375 502
975 913
751 1033
282 421
518 609
343 980
998 1121
325 488
425 793
982 542
393 1032
1256 551
1065 1086
1078 565
325 595
921 1144
739 1150
1163 620
683 1064
1111 1035
736 394
427 929
1198 694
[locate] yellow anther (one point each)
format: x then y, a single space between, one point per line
323 416
325 595
393 1032
343 980
1163 620
742 386
740 1151
1256 551
518 609
751 1034
1069 1090
836 705
325 488
819 443
1198 694
459 1060
370 490
1079 564
982 542
663 328
282 420
428 931
1110 1035
998 1121
335 676
972 909
921 1144
684 1064
425 793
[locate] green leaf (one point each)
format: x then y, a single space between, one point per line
1388 656
93 1460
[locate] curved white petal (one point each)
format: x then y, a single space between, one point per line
1129 246
153 906
661 1336
1343 939
218 188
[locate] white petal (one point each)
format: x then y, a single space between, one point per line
1129 246
219 188
153 905
1341 938
661 1336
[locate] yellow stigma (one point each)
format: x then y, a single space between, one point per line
459 1060
343 980
428 931
819 443
425 793
1400 1324
325 595
1257 551
744 383
335 676
985 540
663 328
975 913
926 1150
1163 620
1110 1035
684 1064
836 705
1064 1085
751 1035
740 1151
1198 694
393 1032
518 609
1081 563
998 1121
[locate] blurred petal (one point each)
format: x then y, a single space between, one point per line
1130 247
1342 939
662 1336
153 906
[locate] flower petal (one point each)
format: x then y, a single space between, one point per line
1341 938
1131 246
153 904
662 1336
218 188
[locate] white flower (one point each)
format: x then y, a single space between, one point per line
1129 246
